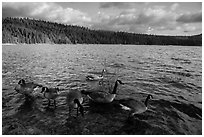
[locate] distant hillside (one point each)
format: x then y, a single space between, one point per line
24 30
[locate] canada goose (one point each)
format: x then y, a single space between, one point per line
93 77
101 96
74 100
50 93
135 106
27 88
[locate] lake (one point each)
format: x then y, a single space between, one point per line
172 74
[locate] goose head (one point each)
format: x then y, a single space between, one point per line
150 96
21 82
81 108
103 71
44 89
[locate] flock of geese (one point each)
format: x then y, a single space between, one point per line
74 99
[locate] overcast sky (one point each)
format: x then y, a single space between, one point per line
182 18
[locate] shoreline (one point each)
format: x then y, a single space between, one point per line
9 44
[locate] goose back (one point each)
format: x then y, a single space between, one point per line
102 97
51 93
134 105
26 88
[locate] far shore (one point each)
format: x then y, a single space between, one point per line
88 44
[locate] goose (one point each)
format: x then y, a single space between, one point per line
74 100
93 77
135 106
27 89
50 93
101 96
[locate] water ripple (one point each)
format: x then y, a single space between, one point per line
173 75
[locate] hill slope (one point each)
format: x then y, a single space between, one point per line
24 30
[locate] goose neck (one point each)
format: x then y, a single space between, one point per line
146 101
115 88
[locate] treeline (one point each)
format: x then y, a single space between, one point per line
30 31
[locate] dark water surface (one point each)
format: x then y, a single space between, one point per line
173 75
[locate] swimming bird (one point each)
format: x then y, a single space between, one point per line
93 77
27 89
50 94
74 100
101 96
135 106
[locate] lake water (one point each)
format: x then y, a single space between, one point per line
172 74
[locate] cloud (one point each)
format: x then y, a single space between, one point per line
120 5
155 19
16 9
189 27
115 5
174 6
129 17
150 19
45 11
190 17
133 20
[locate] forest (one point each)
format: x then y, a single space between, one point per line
32 31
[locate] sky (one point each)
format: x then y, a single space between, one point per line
160 18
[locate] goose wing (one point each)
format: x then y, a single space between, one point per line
24 89
98 96
32 89
133 104
28 88
52 94
102 97
94 77
33 85
90 77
